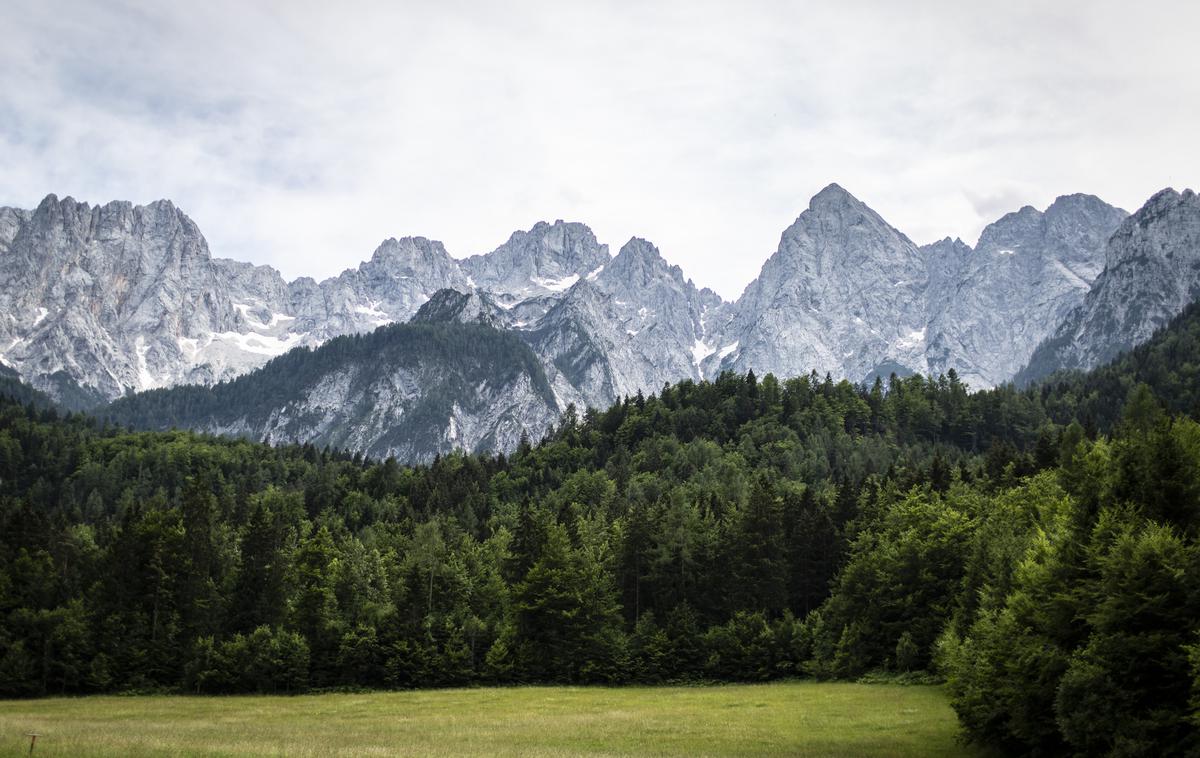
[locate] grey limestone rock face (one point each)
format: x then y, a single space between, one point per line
843 294
124 298
548 258
1028 270
390 413
390 287
448 306
111 295
1151 272
633 326
849 295
412 391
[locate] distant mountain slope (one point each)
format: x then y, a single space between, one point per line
407 390
548 258
1151 273
998 301
17 391
633 326
110 299
1169 363
121 297
848 294
842 294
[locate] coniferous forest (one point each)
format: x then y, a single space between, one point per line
1035 548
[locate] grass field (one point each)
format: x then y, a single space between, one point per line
793 718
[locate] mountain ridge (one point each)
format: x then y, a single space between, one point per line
1151 273
845 293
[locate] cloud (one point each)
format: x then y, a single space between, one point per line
300 134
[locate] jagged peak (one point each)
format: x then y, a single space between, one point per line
548 254
833 190
639 261
1025 212
1076 198
1161 204
560 224
640 250
52 203
162 204
947 243
81 216
835 201
1164 195
1079 202
543 232
707 293
449 305
51 199
948 240
405 247
1000 231
833 195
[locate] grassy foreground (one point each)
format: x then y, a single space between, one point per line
793 718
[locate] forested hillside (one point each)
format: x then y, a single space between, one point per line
13 390
1037 548
405 390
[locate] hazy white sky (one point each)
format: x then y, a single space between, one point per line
301 134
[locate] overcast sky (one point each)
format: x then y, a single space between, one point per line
302 134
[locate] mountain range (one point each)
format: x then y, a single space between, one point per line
101 302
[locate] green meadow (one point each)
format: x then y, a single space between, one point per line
791 718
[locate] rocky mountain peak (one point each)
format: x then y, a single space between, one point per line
1072 231
839 230
1151 272
1167 211
946 255
1009 230
409 251
448 306
842 293
833 195
1029 268
640 263
1167 205
1077 202
547 258
835 208
1164 198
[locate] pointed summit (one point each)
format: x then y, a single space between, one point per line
448 306
841 294
406 252
833 193
1151 273
547 258
837 207
639 263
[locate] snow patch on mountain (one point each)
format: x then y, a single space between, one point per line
556 285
